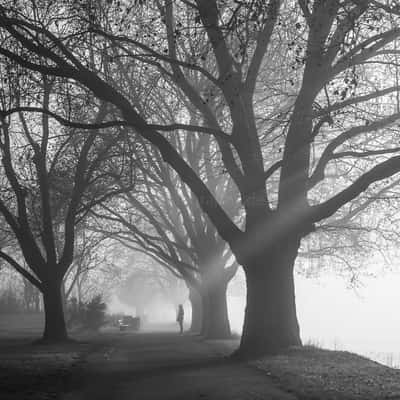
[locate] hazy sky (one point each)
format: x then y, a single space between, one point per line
331 315
366 319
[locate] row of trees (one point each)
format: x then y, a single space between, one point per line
162 219
18 295
215 133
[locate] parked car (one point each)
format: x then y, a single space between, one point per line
128 322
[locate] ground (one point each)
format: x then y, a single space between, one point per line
165 365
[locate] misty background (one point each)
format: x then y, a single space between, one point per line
361 317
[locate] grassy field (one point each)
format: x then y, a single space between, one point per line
21 325
32 371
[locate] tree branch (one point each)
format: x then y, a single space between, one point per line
328 154
21 270
382 171
263 40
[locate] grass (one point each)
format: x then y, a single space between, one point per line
21 325
390 359
313 373
34 371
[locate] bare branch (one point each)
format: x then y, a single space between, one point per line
26 274
382 171
328 153
263 40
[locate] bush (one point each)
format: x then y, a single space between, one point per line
95 314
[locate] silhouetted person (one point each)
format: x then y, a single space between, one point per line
179 317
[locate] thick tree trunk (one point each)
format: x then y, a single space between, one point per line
55 327
196 303
63 296
270 323
215 310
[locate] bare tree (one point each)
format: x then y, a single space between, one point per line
51 177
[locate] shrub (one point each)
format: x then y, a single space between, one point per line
95 313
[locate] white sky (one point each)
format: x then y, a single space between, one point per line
365 320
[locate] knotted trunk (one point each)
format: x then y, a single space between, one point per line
270 323
55 327
196 303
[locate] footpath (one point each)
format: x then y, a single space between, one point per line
167 366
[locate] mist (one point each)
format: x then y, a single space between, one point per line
332 315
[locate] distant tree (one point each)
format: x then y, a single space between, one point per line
163 220
31 297
93 250
142 286
162 217
107 274
10 302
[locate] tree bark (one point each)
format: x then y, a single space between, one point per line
63 296
215 310
270 323
55 329
197 311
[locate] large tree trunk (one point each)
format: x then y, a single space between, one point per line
197 312
215 310
63 296
270 323
55 327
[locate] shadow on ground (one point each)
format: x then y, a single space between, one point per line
165 366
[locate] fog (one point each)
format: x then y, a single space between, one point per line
158 312
365 320
332 315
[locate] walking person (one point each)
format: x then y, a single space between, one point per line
179 317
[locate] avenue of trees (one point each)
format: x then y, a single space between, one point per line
297 100
162 219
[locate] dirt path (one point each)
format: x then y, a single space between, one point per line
166 366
